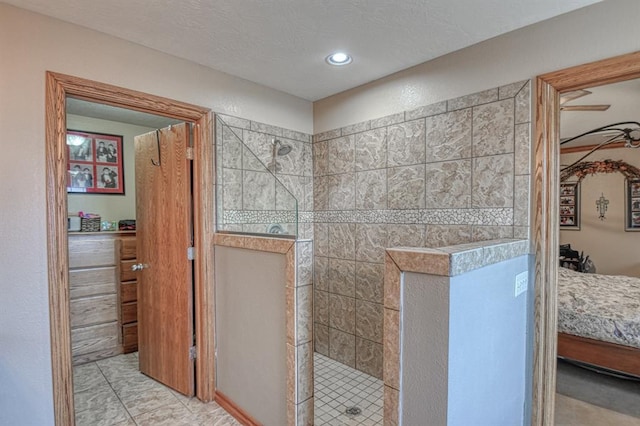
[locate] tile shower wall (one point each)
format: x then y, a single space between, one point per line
444 174
251 198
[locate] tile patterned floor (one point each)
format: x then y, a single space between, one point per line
338 387
112 392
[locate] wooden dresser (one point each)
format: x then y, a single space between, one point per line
126 253
93 297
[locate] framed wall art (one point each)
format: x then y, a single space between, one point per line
570 205
632 205
95 163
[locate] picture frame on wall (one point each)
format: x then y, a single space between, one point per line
570 205
95 163
632 205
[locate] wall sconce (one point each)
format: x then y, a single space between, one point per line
601 204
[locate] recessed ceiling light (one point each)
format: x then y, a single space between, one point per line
339 58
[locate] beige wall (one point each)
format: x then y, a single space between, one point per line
110 207
31 44
586 35
251 341
613 250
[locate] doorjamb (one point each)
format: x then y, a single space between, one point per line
545 205
58 87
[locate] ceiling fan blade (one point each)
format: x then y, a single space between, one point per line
584 107
574 94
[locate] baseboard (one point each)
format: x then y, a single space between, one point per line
238 413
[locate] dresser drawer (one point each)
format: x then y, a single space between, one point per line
129 291
127 248
88 252
91 282
94 310
130 337
129 312
126 274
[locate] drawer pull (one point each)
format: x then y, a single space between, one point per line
139 266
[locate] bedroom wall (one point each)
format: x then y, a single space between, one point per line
32 44
110 207
613 250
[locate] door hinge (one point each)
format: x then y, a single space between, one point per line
192 352
191 253
189 153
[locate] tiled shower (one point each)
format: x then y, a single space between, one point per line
443 174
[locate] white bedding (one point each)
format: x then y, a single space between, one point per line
601 307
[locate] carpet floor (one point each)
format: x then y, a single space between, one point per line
599 389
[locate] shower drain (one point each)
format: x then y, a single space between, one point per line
353 411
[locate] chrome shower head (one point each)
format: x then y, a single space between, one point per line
283 149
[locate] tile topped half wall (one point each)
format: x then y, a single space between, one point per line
443 174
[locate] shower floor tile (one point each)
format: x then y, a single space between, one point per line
338 387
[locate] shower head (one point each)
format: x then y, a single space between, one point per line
282 149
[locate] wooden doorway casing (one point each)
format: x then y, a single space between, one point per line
544 233
58 87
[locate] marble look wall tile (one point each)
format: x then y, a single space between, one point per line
391 350
305 230
342 240
406 186
305 371
406 143
521 232
258 191
391 406
232 189
321 192
371 190
342 313
293 162
231 148
321 307
448 136
304 314
341 155
321 239
522 149
298 136
370 281
448 184
266 128
486 233
474 99
369 320
391 284
493 128
369 357
510 90
232 121
492 181
320 151
342 191
523 104
307 158
305 413
388 120
257 151
330 134
321 273
321 339
290 314
356 128
371 240
521 203
342 277
306 204
447 235
371 149
405 236
304 261
426 111
289 192
465 261
342 347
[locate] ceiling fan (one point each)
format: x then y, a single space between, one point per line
575 94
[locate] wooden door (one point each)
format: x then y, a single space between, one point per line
164 233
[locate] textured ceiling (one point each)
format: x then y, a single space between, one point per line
282 43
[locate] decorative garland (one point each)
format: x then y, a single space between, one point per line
585 168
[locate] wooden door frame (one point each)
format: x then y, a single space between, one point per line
545 231
58 87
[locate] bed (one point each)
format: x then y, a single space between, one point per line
599 320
